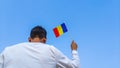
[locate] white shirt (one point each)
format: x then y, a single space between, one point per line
36 55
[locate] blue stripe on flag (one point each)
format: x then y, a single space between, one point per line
64 27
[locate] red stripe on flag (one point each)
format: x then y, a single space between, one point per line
56 32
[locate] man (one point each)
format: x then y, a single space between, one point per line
37 54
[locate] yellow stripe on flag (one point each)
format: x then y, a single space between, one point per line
60 29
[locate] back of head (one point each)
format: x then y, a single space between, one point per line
38 31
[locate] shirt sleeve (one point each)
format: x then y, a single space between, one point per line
1 60
63 62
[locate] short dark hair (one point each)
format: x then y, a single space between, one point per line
38 31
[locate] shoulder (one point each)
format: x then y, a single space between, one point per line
13 47
16 45
55 50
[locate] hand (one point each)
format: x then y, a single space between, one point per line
74 46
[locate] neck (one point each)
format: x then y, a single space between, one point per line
43 40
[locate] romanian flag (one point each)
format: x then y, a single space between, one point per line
60 29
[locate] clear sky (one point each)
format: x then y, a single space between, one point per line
93 24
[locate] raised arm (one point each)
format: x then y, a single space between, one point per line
63 62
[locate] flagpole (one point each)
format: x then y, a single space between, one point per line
70 36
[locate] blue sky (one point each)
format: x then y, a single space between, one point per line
93 24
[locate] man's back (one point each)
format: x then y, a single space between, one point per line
36 55
29 55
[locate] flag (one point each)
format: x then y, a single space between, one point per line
60 29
